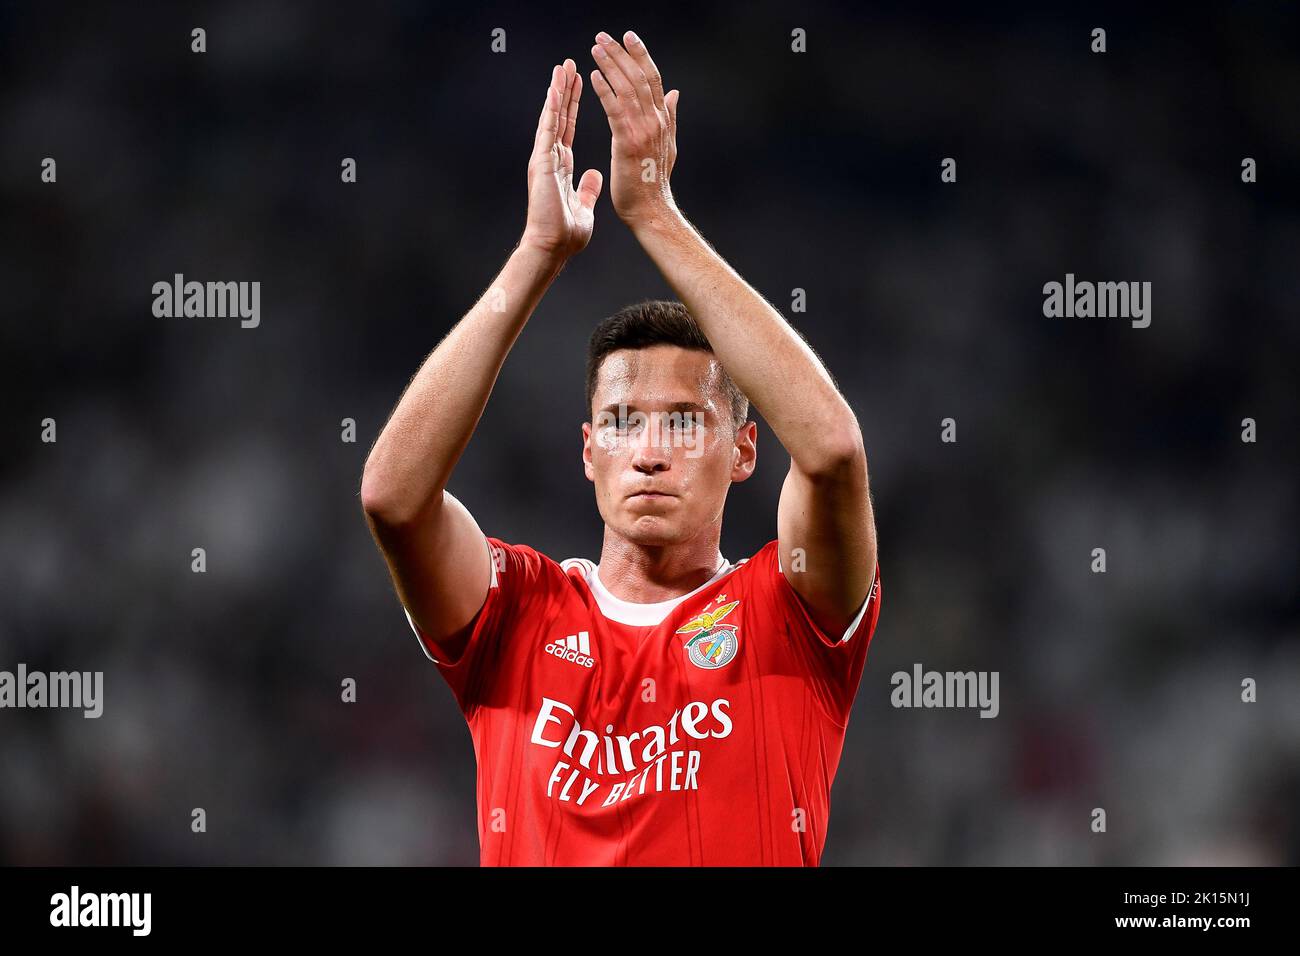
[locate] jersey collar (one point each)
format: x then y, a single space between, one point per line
644 615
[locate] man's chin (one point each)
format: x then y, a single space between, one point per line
652 530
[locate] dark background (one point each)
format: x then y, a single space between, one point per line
818 171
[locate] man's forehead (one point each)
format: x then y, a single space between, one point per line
658 373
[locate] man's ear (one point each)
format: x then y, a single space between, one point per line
745 457
586 452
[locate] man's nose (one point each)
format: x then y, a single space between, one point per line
651 452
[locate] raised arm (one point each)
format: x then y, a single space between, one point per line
434 549
825 506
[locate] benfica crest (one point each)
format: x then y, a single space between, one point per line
711 644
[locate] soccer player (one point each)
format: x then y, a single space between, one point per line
664 706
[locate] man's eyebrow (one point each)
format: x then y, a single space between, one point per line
672 406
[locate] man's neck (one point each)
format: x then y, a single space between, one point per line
643 574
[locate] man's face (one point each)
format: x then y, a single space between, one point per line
661 423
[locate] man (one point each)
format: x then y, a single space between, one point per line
664 707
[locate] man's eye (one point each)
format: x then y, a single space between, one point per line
664 421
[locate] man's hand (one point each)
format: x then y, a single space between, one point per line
643 122
560 218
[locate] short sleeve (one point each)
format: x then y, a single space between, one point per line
833 662
515 572
863 624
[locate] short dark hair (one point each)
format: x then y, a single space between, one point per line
656 322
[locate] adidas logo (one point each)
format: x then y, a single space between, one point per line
575 648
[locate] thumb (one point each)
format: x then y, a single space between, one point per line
589 187
670 101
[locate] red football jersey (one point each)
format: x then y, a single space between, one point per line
700 731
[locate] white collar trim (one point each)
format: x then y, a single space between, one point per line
640 615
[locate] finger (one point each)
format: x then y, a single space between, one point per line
589 188
608 99
642 57
548 123
568 72
628 73
573 109
670 102
616 79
